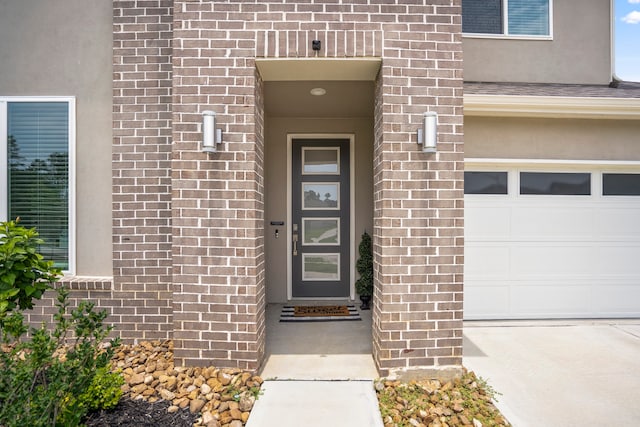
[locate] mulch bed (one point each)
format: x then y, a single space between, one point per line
140 413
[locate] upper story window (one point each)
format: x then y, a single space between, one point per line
36 167
526 18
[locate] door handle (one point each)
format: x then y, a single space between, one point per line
295 244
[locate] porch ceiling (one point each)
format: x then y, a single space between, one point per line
342 99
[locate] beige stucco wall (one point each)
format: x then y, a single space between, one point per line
562 139
276 130
579 52
63 48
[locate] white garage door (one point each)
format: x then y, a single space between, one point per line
551 242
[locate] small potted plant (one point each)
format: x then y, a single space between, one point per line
364 265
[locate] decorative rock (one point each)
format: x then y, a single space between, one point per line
246 402
236 414
136 379
224 378
138 389
222 397
166 394
195 405
207 417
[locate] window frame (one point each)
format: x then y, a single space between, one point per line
505 24
4 191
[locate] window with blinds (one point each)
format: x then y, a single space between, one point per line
38 173
506 17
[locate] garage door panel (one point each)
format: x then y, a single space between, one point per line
529 260
551 299
617 299
618 223
488 223
552 256
620 261
551 223
487 261
483 297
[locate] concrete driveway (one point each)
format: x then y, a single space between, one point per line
559 373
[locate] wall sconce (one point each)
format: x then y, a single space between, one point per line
211 136
428 133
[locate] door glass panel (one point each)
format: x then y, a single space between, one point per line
319 267
621 184
320 231
320 161
320 195
555 183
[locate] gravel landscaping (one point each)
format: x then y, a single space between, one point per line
158 393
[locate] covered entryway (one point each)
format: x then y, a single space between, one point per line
318 175
552 240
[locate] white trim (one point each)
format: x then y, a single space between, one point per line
551 106
488 163
505 37
4 193
71 102
352 209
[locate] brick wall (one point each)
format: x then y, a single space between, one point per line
142 259
418 212
218 198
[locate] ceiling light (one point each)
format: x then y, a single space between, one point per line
318 91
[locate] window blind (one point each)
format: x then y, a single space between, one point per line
38 173
528 17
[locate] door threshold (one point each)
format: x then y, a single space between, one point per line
324 300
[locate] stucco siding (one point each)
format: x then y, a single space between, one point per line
48 51
559 139
580 51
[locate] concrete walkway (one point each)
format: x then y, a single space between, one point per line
564 374
316 404
317 375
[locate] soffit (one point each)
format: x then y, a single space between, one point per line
288 69
342 99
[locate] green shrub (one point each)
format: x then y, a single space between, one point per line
50 377
364 265
24 274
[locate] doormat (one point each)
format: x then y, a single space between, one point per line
319 313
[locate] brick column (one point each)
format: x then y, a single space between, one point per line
218 198
142 32
418 198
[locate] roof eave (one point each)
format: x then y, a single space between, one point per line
551 107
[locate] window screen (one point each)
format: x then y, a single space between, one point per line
554 183
38 173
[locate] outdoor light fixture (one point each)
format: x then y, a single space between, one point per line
428 133
211 136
